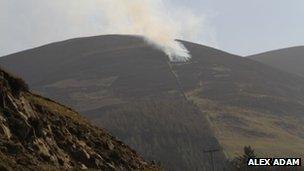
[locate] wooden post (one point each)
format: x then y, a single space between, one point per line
211 152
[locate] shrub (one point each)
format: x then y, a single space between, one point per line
239 163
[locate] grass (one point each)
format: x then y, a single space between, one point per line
55 107
238 127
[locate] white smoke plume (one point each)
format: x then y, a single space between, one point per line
31 23
149 18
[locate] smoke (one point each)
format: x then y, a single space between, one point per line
31 23
149 18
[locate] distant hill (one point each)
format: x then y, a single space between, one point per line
171 112
288 59
39 134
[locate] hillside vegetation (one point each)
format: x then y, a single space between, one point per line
39 134
172 132
123 84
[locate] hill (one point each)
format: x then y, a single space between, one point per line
124 85
247 102
171 112
288 59
39 134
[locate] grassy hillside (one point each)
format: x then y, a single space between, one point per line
94 74
130 88
172 132
246 102
289 59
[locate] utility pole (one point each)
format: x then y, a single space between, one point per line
179 84
211 152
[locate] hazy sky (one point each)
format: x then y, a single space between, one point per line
252 26
241 27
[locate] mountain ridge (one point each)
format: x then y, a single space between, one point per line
287 59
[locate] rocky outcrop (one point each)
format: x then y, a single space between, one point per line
39 134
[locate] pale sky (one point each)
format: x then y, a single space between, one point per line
242 27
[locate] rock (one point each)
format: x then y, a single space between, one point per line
43 149
110 145
96 161
111 166
5 131
83 167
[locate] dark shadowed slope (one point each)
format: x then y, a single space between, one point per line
289 59
128 87
39 134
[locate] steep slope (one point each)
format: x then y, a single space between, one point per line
288 59
123 84
39 134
